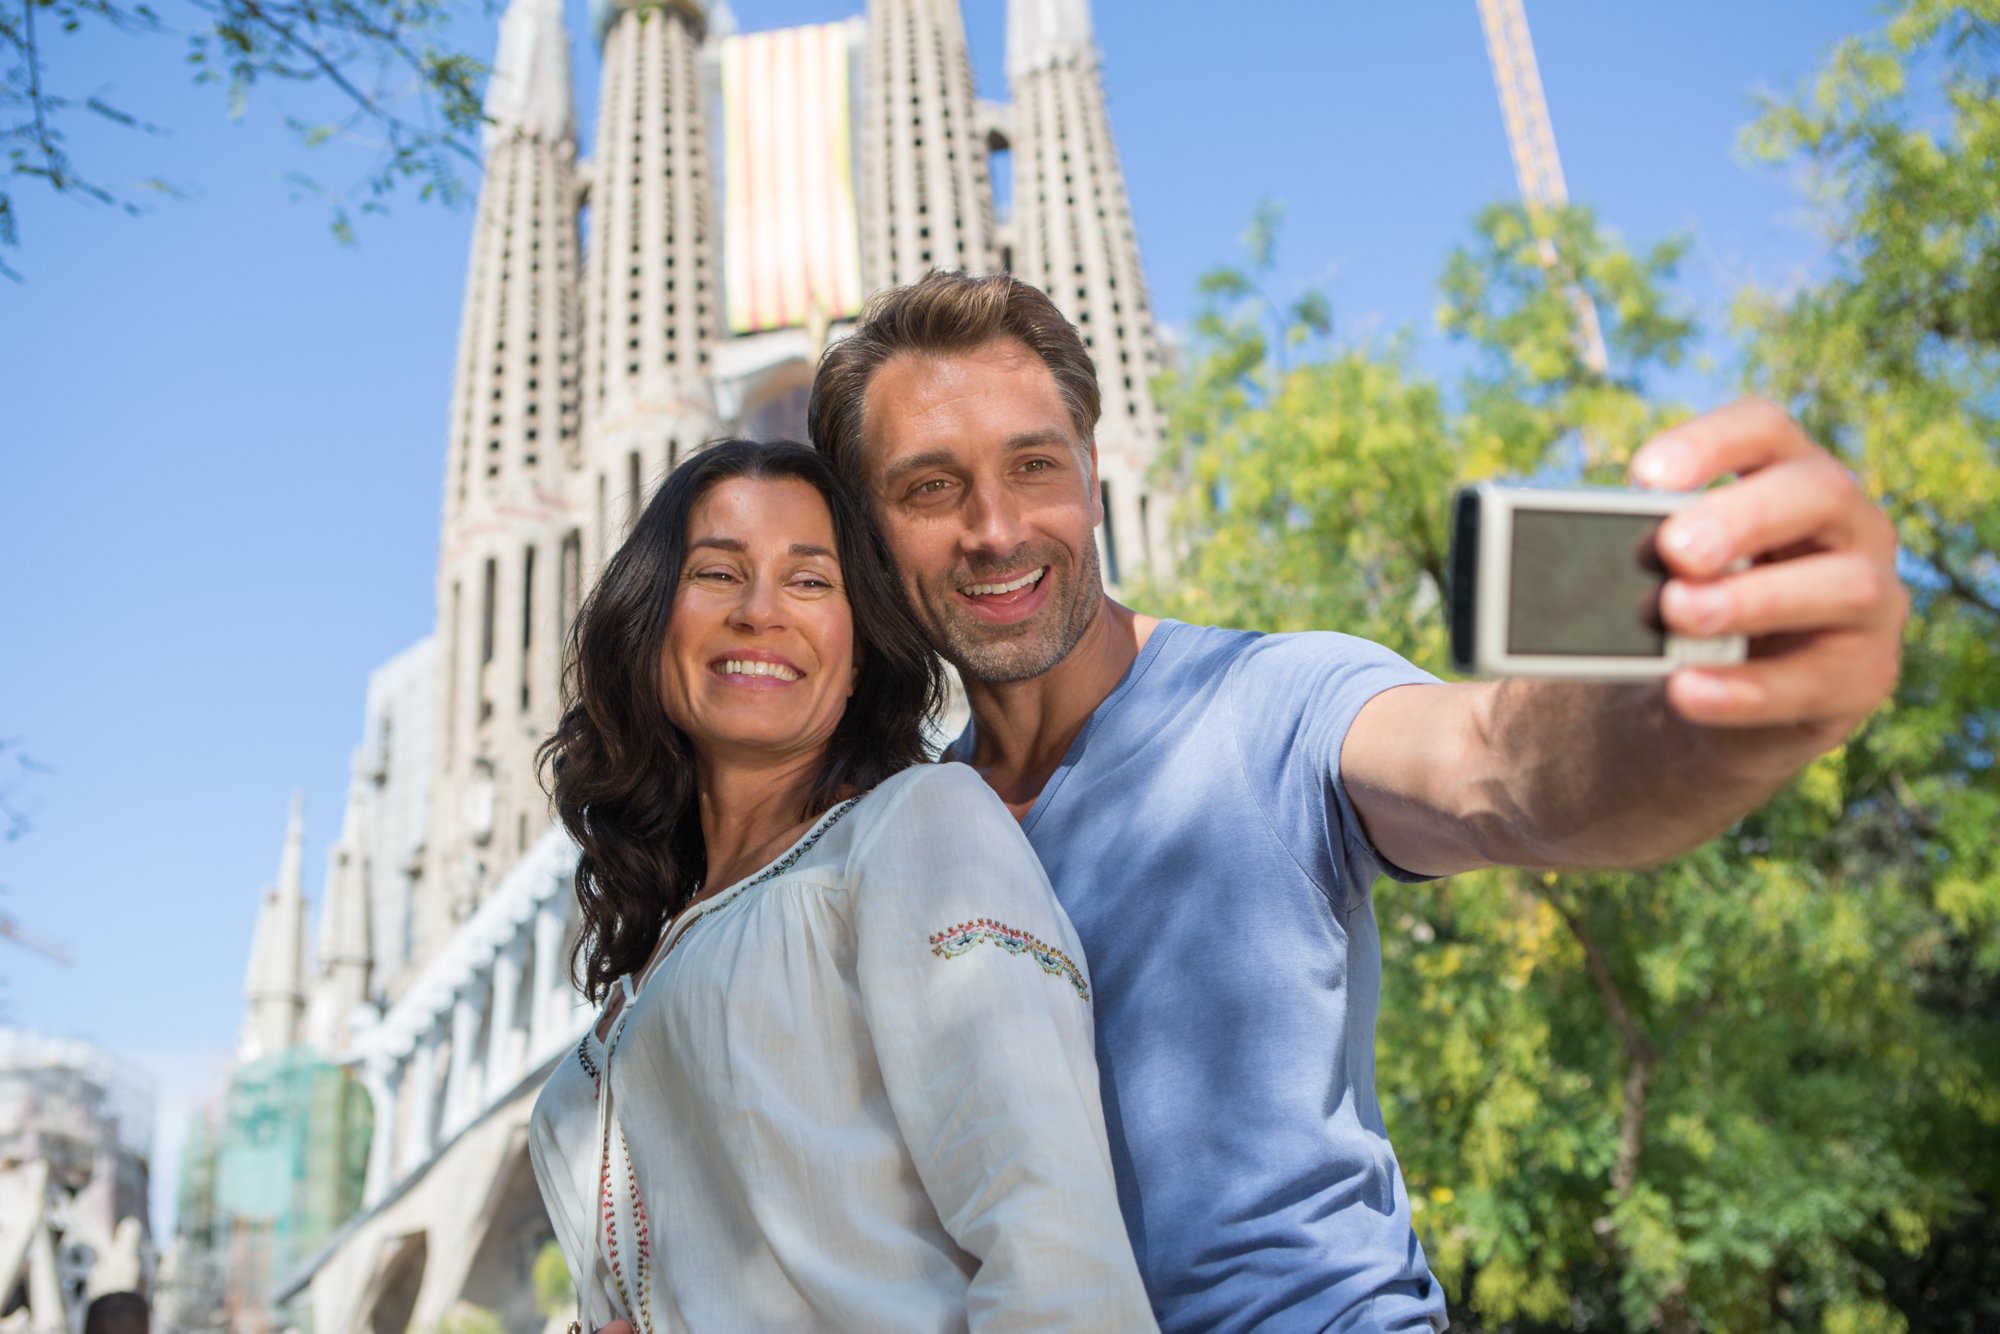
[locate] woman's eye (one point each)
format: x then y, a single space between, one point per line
715 576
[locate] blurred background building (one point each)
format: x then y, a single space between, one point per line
75 1143
367 1167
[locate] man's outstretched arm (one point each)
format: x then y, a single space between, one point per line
1541 773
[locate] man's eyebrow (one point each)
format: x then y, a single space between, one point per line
939 458
1038 440
930 458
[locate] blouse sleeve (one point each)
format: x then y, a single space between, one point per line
569 1214
978 1001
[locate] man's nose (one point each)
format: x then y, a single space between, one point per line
993 522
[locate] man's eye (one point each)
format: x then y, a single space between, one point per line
934 487
1036 465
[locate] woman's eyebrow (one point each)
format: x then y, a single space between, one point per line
736 544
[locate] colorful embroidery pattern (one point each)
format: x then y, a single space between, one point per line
954 941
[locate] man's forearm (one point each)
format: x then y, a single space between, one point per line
1552 774
1563 774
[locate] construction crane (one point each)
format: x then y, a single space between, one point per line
12 930
1532 141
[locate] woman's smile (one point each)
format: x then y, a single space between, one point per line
757 669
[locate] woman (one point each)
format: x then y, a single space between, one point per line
845 1075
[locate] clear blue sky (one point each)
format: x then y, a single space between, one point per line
222 433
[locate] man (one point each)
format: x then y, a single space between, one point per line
1212 805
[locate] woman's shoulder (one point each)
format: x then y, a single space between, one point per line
928 802
944 786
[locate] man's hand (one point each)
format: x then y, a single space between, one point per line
1553 773
1821 600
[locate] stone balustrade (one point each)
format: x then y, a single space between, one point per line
494 1005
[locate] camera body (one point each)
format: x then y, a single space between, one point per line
1566 583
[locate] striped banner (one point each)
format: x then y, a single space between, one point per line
790 235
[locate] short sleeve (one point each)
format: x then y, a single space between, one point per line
977 998
1292 699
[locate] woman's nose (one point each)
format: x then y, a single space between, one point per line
760 607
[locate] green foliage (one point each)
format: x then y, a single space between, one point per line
1749 1089
554 1294
465 1318
385 68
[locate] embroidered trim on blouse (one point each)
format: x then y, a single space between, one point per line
954 941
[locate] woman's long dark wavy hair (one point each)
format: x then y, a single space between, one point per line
622 775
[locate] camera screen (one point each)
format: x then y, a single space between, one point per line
1585 584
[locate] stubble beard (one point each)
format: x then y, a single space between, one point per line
1000 655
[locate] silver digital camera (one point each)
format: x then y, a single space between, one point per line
1566 583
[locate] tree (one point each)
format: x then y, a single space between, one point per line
382 69
1893 358
1736 1091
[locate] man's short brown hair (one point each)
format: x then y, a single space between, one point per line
938 315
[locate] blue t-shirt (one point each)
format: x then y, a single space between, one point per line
1198 834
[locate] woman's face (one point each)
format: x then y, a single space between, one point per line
759 657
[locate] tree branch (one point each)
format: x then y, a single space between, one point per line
1640 1055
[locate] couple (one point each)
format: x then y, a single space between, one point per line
1081 1035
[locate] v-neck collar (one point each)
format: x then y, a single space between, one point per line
679 928
964 745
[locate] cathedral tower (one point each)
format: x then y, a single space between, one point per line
514 431
1073 238
652 294
927 199
345 956
274 984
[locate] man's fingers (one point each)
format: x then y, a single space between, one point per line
1741 438
1836 678
1844 590
1802 502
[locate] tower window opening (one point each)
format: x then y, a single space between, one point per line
451 670
569 582
632 489
527 621
486 609
1110 534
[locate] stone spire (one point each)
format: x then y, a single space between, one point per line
652 289
530 88
1045 32
927 198
514 435
1073 238
345 956
274 985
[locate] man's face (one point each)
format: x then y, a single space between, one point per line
987 499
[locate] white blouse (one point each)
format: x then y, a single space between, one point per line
858 1091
